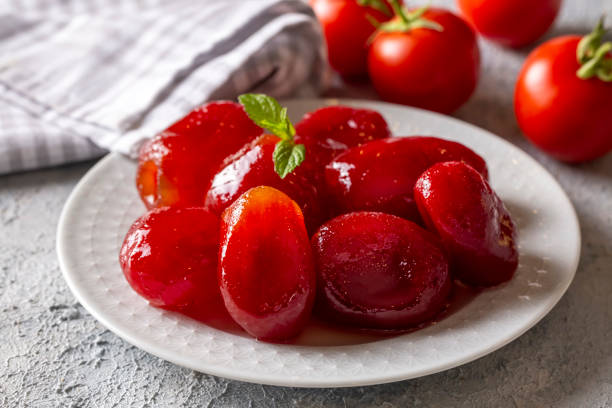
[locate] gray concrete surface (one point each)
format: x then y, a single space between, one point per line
54 354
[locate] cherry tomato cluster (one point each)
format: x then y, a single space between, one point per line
429 58
408 55
368 229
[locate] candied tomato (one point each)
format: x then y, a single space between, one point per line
377 270
380 175
266 271
253 166
327 132
176 167
473 223
169 256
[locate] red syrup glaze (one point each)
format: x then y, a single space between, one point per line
214 315
322 332
335 334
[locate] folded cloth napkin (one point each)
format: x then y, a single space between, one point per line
80 77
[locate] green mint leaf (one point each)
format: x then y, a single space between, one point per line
287 156
267 113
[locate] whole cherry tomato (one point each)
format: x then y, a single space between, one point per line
347 28
512 23
563 97
427 58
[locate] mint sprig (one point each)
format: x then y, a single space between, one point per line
267 113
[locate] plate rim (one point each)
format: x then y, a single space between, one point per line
270 379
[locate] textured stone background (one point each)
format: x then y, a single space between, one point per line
53 353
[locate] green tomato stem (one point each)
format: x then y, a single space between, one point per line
593 56
408 20
399 11
376 5
593 67
590 42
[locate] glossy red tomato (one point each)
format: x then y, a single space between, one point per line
253 166
513 23
346 28
380 175
461 207
379 271
176 167
424 67
568 117
266 271
329 131
169 256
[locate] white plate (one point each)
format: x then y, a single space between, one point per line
105 203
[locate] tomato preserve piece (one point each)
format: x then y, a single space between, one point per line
253 166
475 227
377 270
380 175
438 150
169 256
221 120
266 270
327 132
177 166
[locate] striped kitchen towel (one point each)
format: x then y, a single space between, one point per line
81 77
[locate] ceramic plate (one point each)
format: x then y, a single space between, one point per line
105 203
